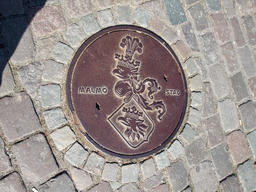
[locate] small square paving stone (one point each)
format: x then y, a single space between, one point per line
169 35
60 183
53 71
194 117
47 21
30 76
89 24
155 7
175 149
102 187
94 164
74 35
4 159
214 130
247 175
252 141
76 155
202 66
129 173
7 82
105 18
175 12
148 168
162 160
228 115
76 8
62 53
210 48
50 95
230 57
221 26
188 133
142 17
247 61
131 187
12 183
252 84
35 158
196 83
239 86
54 118
160 188
250 28
248 113
182 48
238 147
209 106
190 36
196 152
239 37
221 161
157 25
198 14
18 117
63 137
153 181
196 99
110 172
124 14
230 184
11 7
191 67
204 178
213 5
44 47
178 176
81 178
219 81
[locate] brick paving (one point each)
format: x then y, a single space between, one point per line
41 149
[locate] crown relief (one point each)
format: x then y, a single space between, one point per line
132 45
132 112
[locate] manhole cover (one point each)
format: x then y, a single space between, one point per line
126 87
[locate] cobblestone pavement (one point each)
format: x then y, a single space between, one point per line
42 150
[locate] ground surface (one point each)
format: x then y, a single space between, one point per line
40 147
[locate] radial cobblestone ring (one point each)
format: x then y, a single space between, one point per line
128 90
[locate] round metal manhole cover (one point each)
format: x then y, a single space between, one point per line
127 88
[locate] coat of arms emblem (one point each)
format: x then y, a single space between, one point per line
131 120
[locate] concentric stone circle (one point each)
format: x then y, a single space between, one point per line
152 90
214 61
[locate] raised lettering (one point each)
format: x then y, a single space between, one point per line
97 90
172 92
90 90
81 90
104 90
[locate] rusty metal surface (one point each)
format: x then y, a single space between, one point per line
128 90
